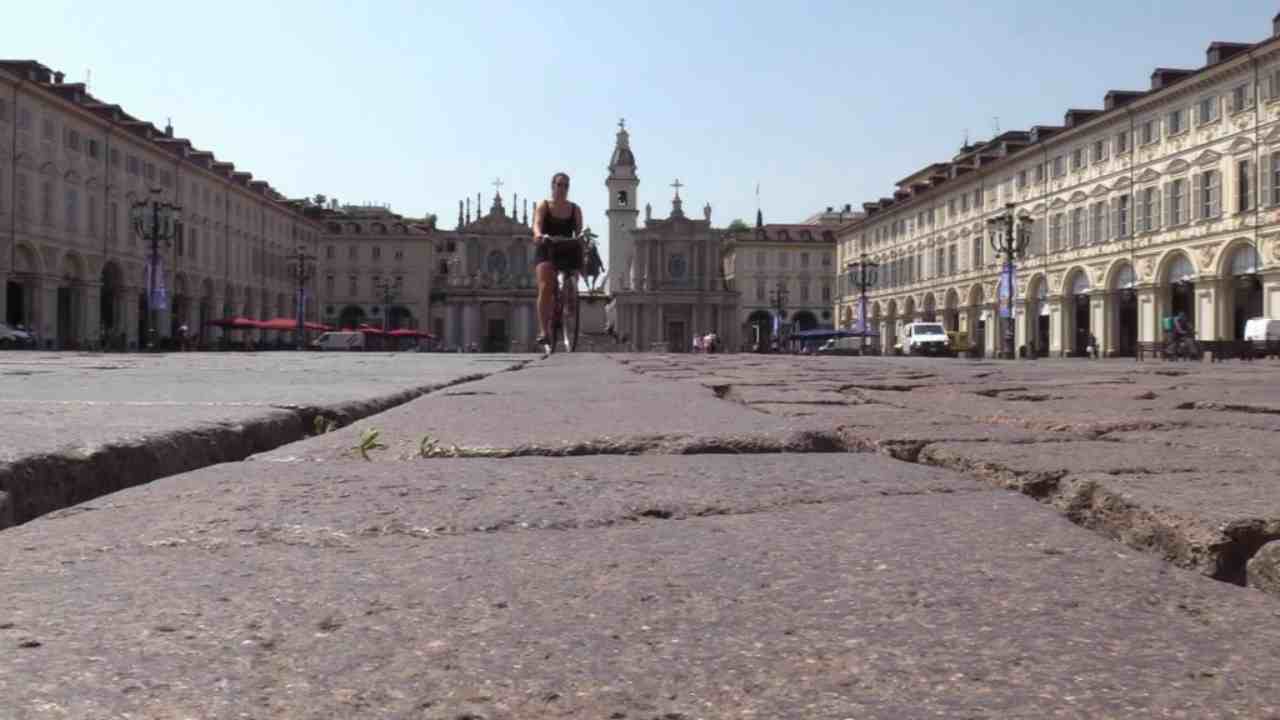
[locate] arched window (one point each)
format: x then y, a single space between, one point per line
1181 270
1245 260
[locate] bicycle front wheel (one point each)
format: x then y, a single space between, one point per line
572 318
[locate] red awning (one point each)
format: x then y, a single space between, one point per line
236 323
406 332
284 323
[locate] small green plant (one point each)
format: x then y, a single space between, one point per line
429 447
368 442
324 425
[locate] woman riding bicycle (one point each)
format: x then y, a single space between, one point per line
556 224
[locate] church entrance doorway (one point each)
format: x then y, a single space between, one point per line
496 340
677 336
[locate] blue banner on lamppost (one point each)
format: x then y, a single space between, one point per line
156 292
1005 289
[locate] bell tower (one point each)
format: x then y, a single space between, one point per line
622 213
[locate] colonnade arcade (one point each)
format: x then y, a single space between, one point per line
1117 303
76 301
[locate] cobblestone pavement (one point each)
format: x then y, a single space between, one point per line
77 425
641 537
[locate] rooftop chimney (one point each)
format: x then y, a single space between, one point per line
168 129
1075 117
57 78
1220 51
1275 26
848 207
1164 77
1119 98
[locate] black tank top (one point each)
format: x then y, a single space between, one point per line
560 227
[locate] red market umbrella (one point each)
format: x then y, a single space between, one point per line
284 323
236 323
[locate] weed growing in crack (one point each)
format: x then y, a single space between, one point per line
324 425
429 447
368 442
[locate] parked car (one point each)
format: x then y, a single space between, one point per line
339 341
926 338
11 337
1261 329
847 346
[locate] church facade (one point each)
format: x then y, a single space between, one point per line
666 281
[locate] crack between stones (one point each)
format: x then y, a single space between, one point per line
797 442
635 516
40 484
1222 555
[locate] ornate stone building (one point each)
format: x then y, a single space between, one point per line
484 293
1162 201
374 268
666 281
72 267
797 259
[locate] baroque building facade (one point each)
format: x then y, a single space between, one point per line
666 281
796 262
71 266
1163 201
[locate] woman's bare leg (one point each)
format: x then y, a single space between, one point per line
546 296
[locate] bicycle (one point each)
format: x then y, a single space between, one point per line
1185 348
562 324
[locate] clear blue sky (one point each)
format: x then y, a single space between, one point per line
418 106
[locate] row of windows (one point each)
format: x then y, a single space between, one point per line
804 291
75 141
1204 111
1176 203
762 259
353 284
353 253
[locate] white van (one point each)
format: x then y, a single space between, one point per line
1261 329
339 341
924 338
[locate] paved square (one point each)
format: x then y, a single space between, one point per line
642 536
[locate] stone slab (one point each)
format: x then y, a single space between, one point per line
255 590
76 425
567 405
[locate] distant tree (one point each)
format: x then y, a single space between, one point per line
739 225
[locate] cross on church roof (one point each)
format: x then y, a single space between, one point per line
497 184
622 123
677 185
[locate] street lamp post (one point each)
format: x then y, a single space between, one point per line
302 272
1012 242
387 291
863 274
156 222
778 299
